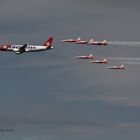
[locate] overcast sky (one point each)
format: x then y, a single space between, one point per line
49 95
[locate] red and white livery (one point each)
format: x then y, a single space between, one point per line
101 43
81 42
121 67
85 57
103 61
18 49
72 40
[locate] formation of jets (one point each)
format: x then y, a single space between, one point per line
19 49
47 45
91 42
101 61
101 43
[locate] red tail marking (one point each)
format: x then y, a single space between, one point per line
48 43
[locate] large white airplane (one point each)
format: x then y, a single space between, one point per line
18 49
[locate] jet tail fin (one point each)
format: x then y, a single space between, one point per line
90 55
78 39
48 43
104 41
122 66
92 40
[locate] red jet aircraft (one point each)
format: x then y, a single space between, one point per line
72 40
85 57
116 67
103 61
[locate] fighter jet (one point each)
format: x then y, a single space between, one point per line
85 57
72 40
101 43
103 61
116 67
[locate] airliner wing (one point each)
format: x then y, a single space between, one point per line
21 49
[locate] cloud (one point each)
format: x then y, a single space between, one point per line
80 132
125 100
115 92
129 125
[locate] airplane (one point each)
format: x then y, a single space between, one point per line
116 67
19 49
103 61
85 57
72 40
101 43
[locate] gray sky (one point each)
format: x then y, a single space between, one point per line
49 95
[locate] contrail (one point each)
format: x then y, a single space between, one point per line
124 43
124 58
131 63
